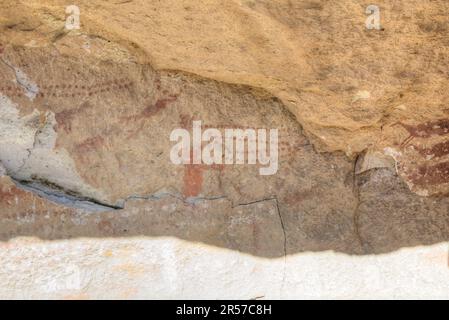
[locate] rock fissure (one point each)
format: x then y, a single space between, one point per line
30 88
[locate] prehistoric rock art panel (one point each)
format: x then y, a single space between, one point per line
114 148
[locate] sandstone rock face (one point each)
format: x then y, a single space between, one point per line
86 117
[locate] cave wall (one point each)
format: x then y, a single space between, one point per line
91 205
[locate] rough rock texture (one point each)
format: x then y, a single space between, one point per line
86 116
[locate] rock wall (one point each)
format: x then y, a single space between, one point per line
91 205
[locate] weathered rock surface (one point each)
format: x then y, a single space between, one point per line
86 116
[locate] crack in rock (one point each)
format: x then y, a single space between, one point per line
281 220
